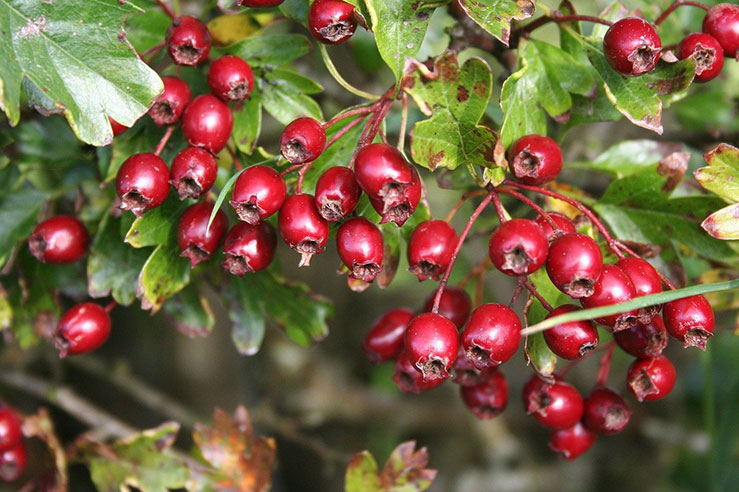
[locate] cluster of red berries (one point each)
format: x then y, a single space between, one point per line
12 449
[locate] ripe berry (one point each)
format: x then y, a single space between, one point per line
116 127
646 281
613 287
10 429
722 22
332 21
260 4
302 227
605 412
492 335
690 320
194 171
142 183
259 192
169 105
518 247
573 339
430 249
455 305
465 372
12 463
337 193
574 264
59 239
487 399
643 340
361 248
249 248
536 159
188 40
565 225
632 46
571 442
651 379
195 243
207 123
391 182
82 329
231 78
302 140
408 379
707 53
432 343
384 341
557 406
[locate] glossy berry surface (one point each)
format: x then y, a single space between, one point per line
574 264
302 227
170 104
207 123
518 247
432 343
557 406
196 241
571 442
455 305
337 193
465 373
646 281
361 248
722 22
260 3
707 53
606 412
82 329
117 128
142 183
59 239
193 172
302 140
488 398
408 379
188 40
690 320
535 159
632 46
613 287
258 192
331 21
492 335
12 463
10 429
249 248
565 225
643 340
231 78
651 379
384 341
430 249
573 339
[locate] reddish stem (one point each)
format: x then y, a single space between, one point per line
633 253
166 9
235 159
346 114
291 169
523 198
152 51
675 5
301 174
163 142
558 17
604 366
462 201
532 288
517 292
499 208
344 131
110 306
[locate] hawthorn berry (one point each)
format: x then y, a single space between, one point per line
722 22
207 123
430 249
455 305
613 287
646 281
574 264
488 398
188 40
518 247
82 329
466 373
198 242
142 183
432 343
492 335
337 193
651 379
331 21
384 341
170 104
59 239
361 248
605 412
10 429
565 225
408 379
643 340
573 339
557 405
249 248
259 192
707 53
12 462
690 320
632 46
302 140
302 227
535 159
571 442
116 127
230 78
260 4
194 171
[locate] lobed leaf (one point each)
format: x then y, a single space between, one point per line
495 16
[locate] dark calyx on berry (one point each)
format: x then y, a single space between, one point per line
722 22
303 140
430 249
259 192
142 183
651 379
690 320
518 247
59 239
432 344
632 46
302 227
606 412
188 40
361 248
337 193
193 172
332 21
489 397
170 104
249 248
536 159
613 287
572 339
408 379
231 78
705 51
574 264
643 340
82 329
196 241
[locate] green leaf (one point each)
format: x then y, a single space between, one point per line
628 157
157 226
146 30
163 275
537 351
18 213
66 48
268 50
722 174
296 10
404 471
361 474
284 96
495 16
247 124
248 322
191 312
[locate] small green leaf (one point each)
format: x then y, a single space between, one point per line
146 30
191 312
18 213
156 226
284 96
495 16
361 474
268 50
163 275
248 322
628 157
247 124
722 174
404 471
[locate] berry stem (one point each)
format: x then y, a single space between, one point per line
674 6
346 114
499 209
462 201
604 366
163 142
237 163
403 122
517 292
110 306
166 9
342 82
152 51
345 130
301 174
532 289
558 17
290 169
524 199
664 279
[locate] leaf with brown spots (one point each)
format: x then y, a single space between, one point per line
495 16
405 471
721 177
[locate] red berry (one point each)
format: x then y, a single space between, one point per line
260 4
169 105
59 239
195 243
430 249
332 21
432 343
194 171
384 341
571 442
302 227
706 52
535 159
613 287
518 247
337 193
722 22
455 305
646 281
557 406
492 335
188 40
207 123
408 379
12 463
632 46
259 192
690 320
116 127
10 429
361 248
142 183
82 329
605 412
574 264
534 383
231 78
249 248
565 225
465 372
487 399
651 379
643 340
302 140
573 339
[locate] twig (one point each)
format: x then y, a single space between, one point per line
526 200
166 9
364 110
532 288
675 5
604 366
163 142
499 209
